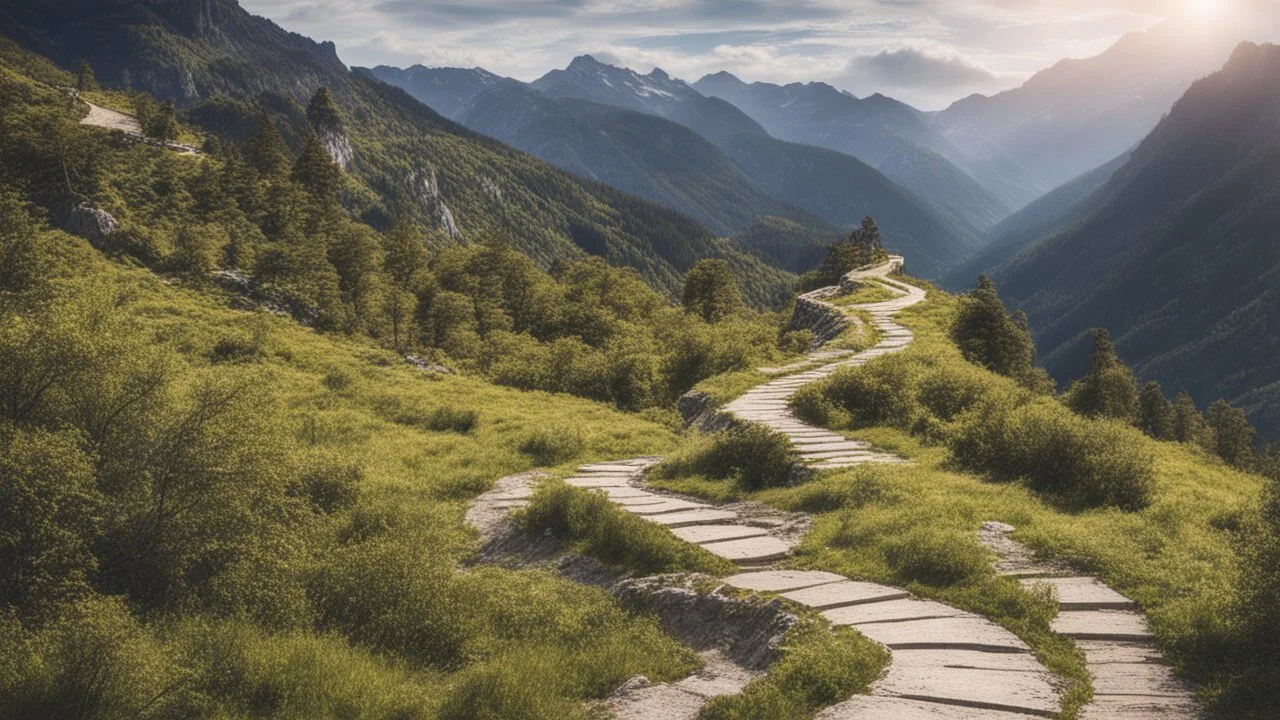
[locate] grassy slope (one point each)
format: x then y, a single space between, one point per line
916 525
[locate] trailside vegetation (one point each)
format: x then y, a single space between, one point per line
862 247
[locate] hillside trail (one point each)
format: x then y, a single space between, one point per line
947 664
115 120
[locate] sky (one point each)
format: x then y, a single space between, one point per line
925 52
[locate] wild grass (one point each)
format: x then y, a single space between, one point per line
595 527
867 292
750 455
818 666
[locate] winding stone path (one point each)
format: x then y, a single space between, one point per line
1130 678
947 664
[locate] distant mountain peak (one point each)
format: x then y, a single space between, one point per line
659 74
584 63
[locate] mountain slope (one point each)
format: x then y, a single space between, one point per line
837 187
1178 256
640 153
408 160
1080 114
888 135
1047 216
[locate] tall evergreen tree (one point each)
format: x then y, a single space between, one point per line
85 79
321 112
863 246
1109 389
406 256
1233 435
266 151
988 335
1155 412
1188 423
710 290
315 170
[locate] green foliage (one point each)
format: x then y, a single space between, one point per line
751 455
594 526
1155 412
1109 389
818 666
1188 424
315 170
710 291
1233 436
862 247
989 336
85 79
552 446
991 425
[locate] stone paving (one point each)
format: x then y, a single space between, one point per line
947 664
1130 678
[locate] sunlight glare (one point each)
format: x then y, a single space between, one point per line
1203 7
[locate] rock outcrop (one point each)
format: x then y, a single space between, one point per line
425 189
324 119
91 223
819 317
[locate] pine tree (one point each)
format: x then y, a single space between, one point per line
316 171
85 79
406 256
163 124
863 246
1155 412
1109 389
1233 435
1188 423
266 151
988 335
321 112
710 290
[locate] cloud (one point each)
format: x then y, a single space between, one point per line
911 68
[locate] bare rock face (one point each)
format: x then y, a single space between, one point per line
91 223
339 147
322 113
426 191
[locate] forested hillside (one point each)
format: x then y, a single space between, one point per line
640 153
1177 254
224 67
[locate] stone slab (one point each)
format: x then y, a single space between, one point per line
877 707
1120 707
1098 652
952 633
1147 679
750 550
1102 625
699 534
598 482
640 500
609 467
623 492
692 517
781 580
971 659
844 445
1031 693
836 454
891 611
842 594
1083 593
668 505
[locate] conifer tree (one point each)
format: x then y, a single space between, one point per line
266 151
710 290
1109 389
321 112
1233 435
988 335
1188 423
406 256
85 79
315 171
1155 412
863 246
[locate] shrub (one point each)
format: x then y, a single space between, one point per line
613 536
449 419
936 558
796 341
817 666
753 455
552 446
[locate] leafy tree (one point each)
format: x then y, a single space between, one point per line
315 170
163 126
197 249
1233 435
710 290
1109 389
24 260
85 79
1155 412
266 150
988 335
1188 423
